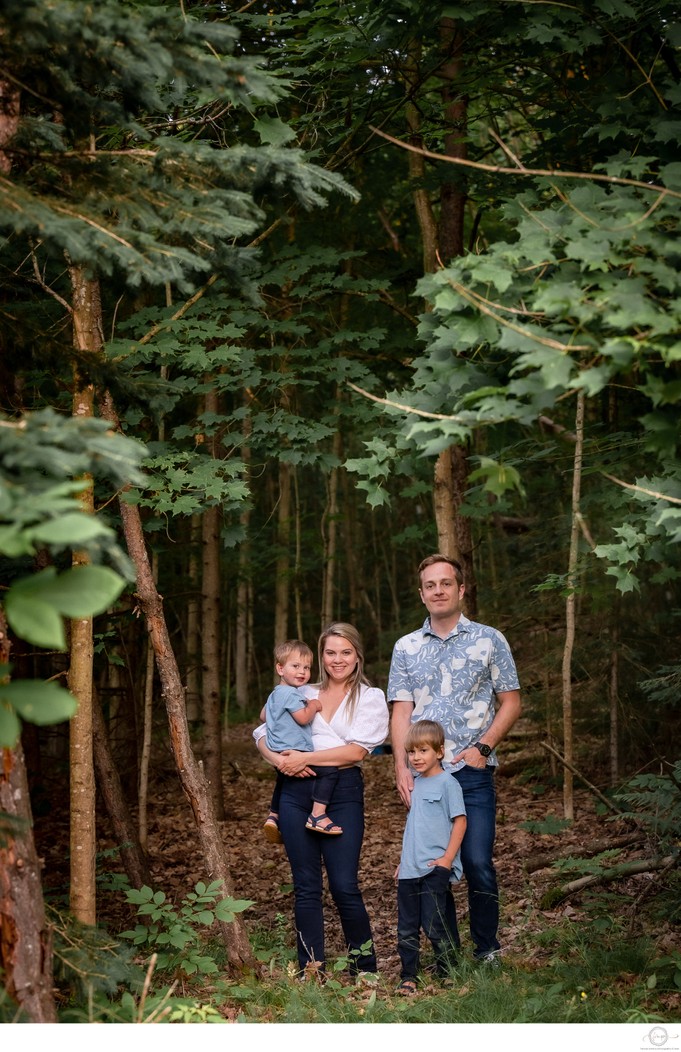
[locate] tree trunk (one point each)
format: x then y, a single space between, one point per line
282 588
442 241
417 168
193 626
330 534
211 665
297 568
455 111
88 341
109 782
10 108
145 751
25 936
242 646
193 782
613 694
570 606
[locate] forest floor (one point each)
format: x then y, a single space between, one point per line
260 870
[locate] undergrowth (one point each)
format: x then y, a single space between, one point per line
590 973
171 967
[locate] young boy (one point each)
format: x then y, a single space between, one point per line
287 715
430 856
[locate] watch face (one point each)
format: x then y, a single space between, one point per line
484 749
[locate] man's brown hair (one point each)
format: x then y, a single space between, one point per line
437 558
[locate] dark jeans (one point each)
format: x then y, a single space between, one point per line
339 855
325 782
426 903
479 794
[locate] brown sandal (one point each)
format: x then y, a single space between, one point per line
271 829
406 988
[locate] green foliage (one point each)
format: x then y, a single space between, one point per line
123 181
654 802
36 605
88 961
180 931
43 460
40 457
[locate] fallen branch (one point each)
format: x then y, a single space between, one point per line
648 889
608 803
596 847
625 869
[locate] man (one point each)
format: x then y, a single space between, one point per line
461 674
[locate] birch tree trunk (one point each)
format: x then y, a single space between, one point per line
25 936
192 779
570 607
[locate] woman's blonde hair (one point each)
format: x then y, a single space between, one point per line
357 678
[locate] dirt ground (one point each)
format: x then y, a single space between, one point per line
260 870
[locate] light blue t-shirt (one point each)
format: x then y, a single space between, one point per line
435 802
282 730
453 680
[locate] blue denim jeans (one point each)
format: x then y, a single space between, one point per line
425 903
480 798
308 852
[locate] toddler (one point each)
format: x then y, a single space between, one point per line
287 715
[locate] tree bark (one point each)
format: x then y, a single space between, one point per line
442 240
330 533
132 855
282 588
613 696
25 936
193 694
243 647
455 111
570 606
10 97
88 341
192 779
145 751
211 665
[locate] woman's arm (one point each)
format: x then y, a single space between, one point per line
278 759
272 758
292 762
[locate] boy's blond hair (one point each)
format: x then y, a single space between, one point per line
283 651
425 732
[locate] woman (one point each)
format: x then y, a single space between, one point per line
353 720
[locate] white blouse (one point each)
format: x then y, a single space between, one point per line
367 726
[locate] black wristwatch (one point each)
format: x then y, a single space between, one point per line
485 750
